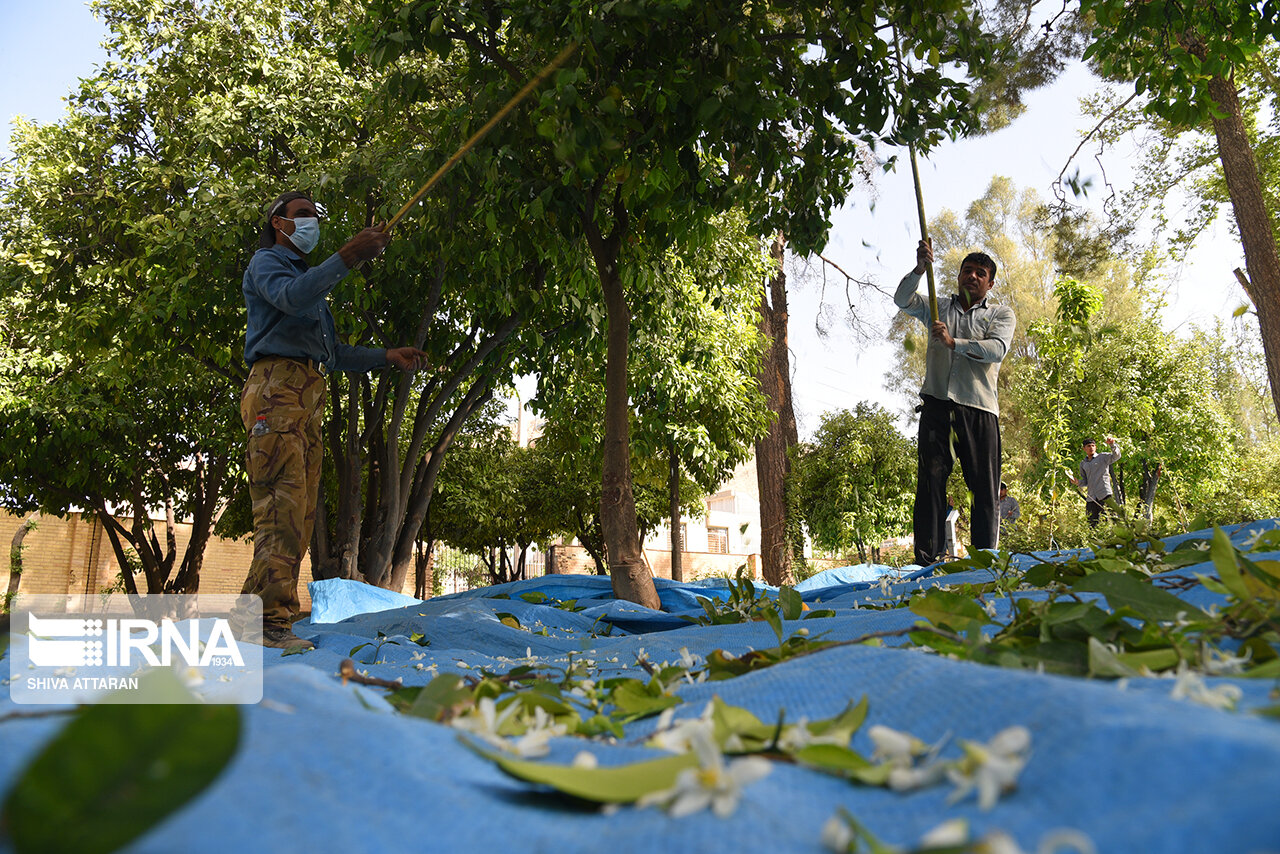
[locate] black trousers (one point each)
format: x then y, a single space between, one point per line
1093 509
977 446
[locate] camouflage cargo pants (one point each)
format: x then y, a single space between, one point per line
284 454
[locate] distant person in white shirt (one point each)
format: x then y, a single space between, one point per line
1095 480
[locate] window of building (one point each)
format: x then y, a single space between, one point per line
684 538
718 540
724 501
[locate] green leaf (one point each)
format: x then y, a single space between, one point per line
1104 662
600 725
771 617
117 770
1155 660
636 700
844 724
819 613
949 610
735 720
535 699
617 784
1269 670
1123 590
508 619
1041 575
1067 612
844 762
1223 554
791 603
442 698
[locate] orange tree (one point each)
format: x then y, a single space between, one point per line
671 111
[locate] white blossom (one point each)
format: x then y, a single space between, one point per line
1252 539
1219 663
678 737
799 736
714 783
906 779
535 741
1190 685
837 835
484 721
898 748
991 768
1053 842
191 676
949 834
997 842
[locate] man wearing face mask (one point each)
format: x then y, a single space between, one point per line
290 344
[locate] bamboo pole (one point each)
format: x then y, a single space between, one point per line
915 177
484 131
924 235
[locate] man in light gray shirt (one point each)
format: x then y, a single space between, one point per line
966 345
1095 479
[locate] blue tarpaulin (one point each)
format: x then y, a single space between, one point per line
326 767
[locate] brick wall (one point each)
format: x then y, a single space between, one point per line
74 555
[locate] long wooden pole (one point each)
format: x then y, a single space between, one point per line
484 131
915 176
924 235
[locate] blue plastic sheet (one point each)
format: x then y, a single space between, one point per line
324 767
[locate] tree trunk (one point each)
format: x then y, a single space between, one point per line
593 544
773 461
1150 480
423 582
210 475
337 555
1256 234
631 578
379 516
15 558
673 508
403 518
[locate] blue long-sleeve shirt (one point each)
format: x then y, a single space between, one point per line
288 315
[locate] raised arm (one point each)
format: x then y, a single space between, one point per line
906 297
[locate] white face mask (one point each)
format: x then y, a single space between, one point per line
306 233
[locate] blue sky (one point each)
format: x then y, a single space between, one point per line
45 45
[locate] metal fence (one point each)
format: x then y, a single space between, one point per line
454 570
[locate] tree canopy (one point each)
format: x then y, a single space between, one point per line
126 228
855 481
671 111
